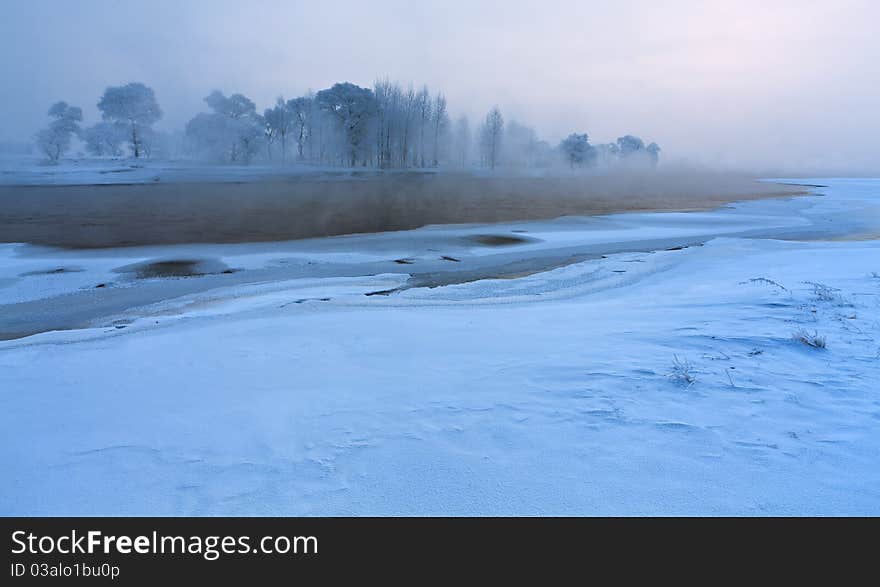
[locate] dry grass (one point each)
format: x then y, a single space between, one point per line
682 371
811 339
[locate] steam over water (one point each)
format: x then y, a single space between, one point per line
321 205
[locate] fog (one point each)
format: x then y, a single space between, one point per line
779 87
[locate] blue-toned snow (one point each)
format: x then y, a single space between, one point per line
547 393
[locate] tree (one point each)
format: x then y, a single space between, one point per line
233 130
405 123
439 123
423 116
411 127
633 152
105 139
576 149
248 133
491 136
133 105
54 141
301 110
629 145
279 123
352 107
387 108
236 106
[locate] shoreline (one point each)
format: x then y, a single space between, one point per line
70 289
488 395
104 216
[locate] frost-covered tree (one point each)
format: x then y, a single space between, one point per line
352 108
55 140
406 125
576 149
388 126
629 145
133 105
423 118
105 139
410 128
387 97
250 133
236 106
491 135
439 126
232 132
301 110
631 150
279 125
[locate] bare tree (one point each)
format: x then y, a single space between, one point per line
300 111
386 94
407 114
279 124
439 123
491 136
423 117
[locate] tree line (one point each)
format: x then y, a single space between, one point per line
388 126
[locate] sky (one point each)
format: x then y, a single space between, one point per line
760 85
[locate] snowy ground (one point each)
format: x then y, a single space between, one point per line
93 171
283 389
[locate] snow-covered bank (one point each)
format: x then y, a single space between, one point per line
551 393
31 171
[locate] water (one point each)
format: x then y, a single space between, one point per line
432 256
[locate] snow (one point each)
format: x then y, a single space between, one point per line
26 171
282 392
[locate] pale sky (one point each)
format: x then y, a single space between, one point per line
757 84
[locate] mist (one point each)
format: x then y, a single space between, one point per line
317 205
783 88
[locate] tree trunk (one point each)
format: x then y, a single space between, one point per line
134 142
